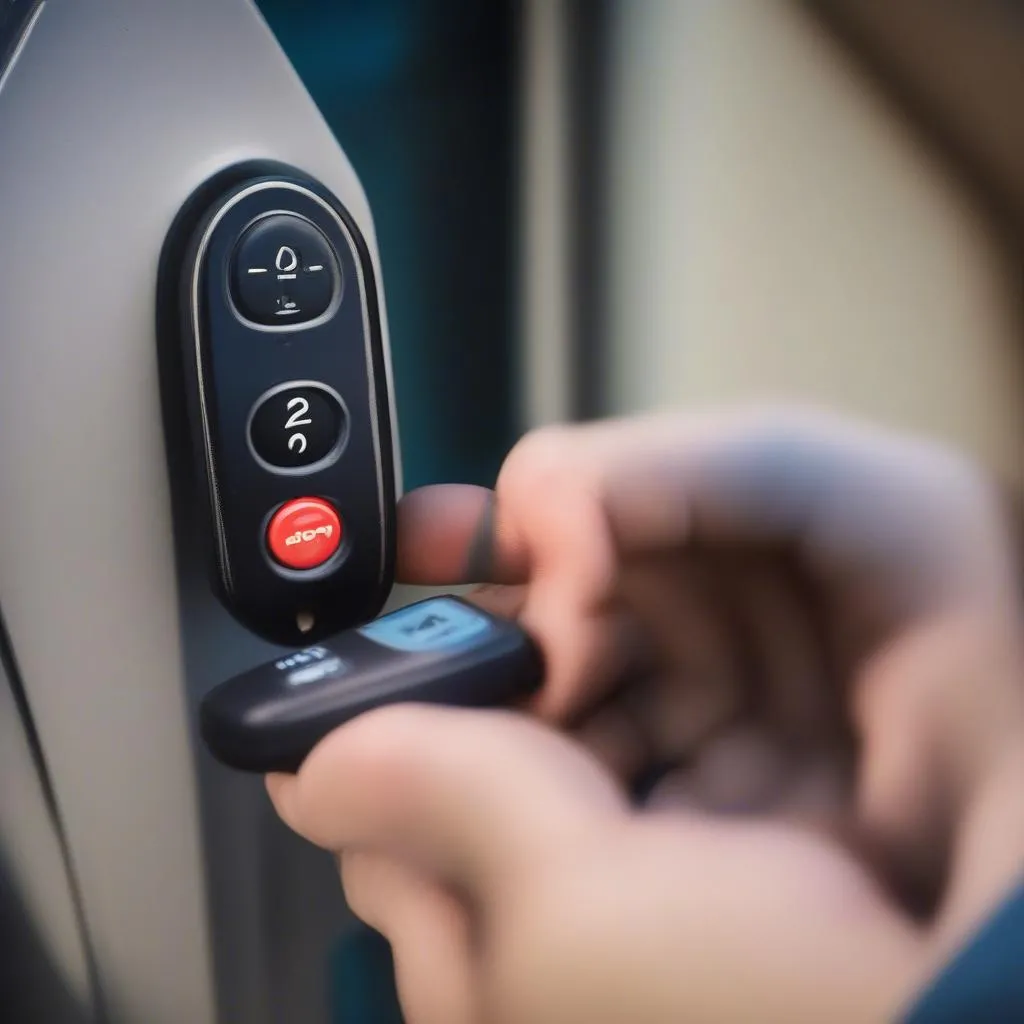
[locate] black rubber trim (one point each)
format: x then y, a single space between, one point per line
9 663
15 19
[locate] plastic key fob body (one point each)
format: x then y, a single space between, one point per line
442 650
281 357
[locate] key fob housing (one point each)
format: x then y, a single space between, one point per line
439 651
272 307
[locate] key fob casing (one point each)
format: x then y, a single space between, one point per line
284 379
440 651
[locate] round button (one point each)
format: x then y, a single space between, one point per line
296 426
284 271
304 533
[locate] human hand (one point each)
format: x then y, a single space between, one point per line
797 603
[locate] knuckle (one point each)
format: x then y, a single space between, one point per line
962 481
541 457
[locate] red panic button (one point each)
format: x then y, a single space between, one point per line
304 533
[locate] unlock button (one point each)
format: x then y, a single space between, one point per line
296 426
285 272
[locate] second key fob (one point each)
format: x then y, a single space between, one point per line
287 393
440 651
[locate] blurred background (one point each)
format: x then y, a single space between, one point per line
596 207
589 208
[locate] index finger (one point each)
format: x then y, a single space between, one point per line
867 511
448 535
764 474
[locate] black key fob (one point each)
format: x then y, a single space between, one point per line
441 651
270 300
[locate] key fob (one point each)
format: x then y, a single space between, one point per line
284 379
441 651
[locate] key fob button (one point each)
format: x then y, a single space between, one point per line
297 426
304 533
285 272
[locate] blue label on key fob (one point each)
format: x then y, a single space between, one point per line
430 626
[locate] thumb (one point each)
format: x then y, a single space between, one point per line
472 796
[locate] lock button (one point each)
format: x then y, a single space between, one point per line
304 533
285 272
